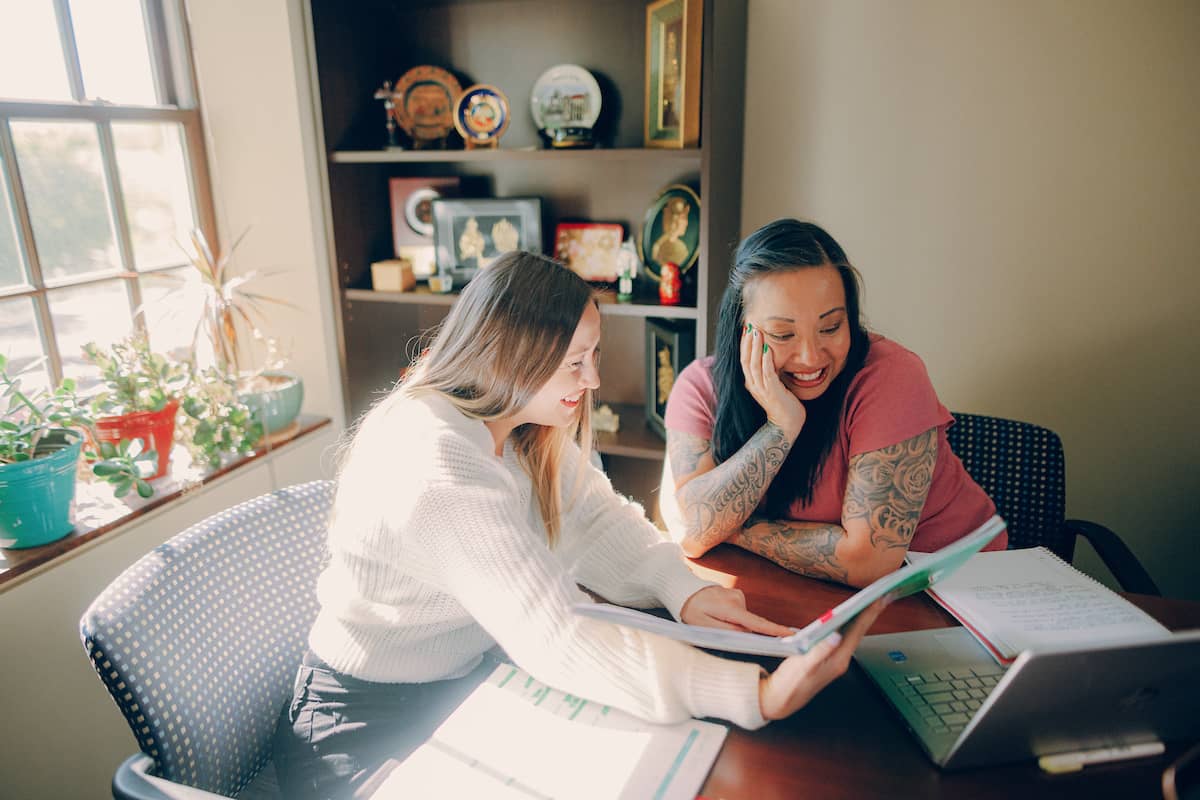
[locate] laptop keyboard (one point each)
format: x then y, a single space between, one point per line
945 700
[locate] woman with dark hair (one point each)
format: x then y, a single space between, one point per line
467 516
806 438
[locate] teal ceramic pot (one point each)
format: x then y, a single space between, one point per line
278 405
37 496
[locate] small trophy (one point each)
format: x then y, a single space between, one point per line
627 269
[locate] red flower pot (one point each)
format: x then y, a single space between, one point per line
156 429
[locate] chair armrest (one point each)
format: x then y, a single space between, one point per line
1117 556
133 781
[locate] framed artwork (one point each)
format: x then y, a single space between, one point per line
589 249
469 234
412 208
670 346
671 230
673 44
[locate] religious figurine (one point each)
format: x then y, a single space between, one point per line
669 284
471 242
669 246
505 236
389 109
627 267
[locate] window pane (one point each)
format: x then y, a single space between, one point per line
158 198
31 60
97 312
63 176
113 53
11 271
21 343
172 301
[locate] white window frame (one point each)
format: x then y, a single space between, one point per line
174 79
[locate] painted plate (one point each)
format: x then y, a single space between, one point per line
424 98
565 96
481 114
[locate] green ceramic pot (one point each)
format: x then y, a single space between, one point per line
37 496
279 404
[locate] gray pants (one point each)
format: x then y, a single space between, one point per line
339 733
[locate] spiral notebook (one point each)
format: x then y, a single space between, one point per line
1030 599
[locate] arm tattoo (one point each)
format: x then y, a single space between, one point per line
717 503
685 451
808 548
887 488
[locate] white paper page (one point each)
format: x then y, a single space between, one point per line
517 738
1029 599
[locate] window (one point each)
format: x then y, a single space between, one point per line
102 178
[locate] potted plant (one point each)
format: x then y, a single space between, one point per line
216 421
231 324
139 400
39 450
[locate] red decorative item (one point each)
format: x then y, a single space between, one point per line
669 284
156 429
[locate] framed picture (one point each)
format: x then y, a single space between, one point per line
673 37
589 249
412 209
469 234
671 230
669 348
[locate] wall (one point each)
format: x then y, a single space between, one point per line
1018 183
64 736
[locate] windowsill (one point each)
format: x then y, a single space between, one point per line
98 513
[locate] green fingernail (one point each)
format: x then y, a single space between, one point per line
749 327
765 347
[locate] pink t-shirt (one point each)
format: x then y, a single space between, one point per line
891 399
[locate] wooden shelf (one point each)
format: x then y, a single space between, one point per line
634 439
503 155
608 303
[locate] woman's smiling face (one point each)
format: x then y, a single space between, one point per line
802 315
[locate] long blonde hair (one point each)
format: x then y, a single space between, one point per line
502 341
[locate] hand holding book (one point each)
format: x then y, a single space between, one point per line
904 581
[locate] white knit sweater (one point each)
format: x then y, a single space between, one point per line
439 553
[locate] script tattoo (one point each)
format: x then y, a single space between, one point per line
685 451
808 548
718 502
887 489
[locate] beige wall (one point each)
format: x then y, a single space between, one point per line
1019 184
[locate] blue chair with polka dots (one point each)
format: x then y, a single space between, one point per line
1022 468
198 644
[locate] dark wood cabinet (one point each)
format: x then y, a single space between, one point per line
508 44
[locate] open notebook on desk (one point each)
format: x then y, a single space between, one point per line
1030 599
517 738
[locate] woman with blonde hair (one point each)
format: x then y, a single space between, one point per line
465 519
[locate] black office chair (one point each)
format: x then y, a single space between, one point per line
1021 467
198 643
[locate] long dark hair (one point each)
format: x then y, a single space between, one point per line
782 246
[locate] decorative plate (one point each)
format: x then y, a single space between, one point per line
565 96
424 98
671 231
481 114
418 210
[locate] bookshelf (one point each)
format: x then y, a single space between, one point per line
508 44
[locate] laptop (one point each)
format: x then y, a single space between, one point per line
966 710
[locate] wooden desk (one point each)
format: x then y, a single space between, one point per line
849 743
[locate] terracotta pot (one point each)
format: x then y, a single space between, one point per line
156 429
